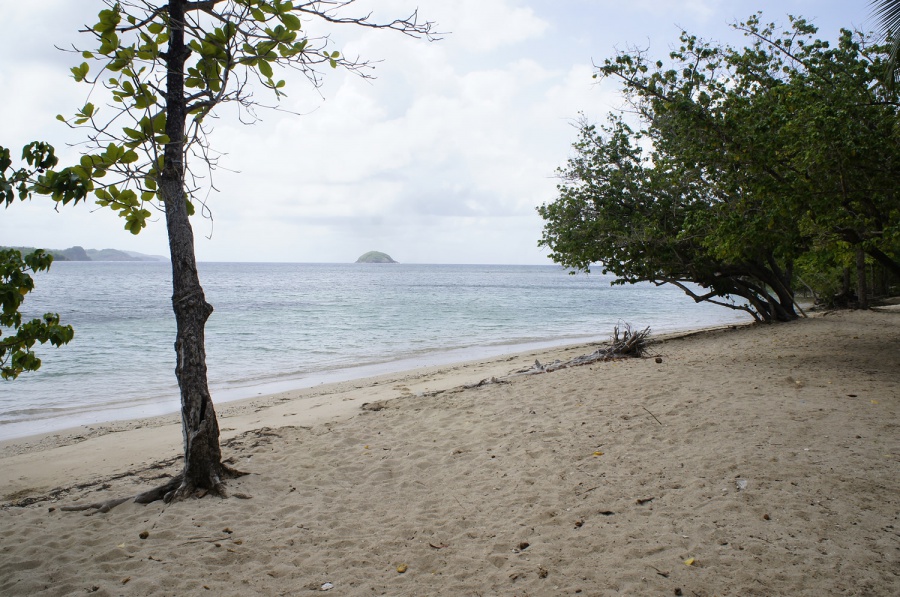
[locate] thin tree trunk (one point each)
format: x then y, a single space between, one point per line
203 468
862 289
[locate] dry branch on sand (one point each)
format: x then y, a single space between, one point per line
623 344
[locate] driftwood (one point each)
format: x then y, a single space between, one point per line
623 344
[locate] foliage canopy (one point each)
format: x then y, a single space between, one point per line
745 162
16 354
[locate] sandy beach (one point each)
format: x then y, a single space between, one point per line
755 460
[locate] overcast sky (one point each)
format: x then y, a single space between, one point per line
442 159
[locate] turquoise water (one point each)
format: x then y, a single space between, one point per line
278 326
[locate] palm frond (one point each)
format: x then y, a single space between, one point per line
888 14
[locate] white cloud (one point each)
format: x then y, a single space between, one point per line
442 158
483 26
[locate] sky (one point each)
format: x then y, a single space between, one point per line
442 158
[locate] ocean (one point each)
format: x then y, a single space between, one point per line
279 326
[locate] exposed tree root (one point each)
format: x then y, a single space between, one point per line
176 489
102 507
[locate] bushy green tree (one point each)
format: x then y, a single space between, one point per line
745 160
165 67
16 354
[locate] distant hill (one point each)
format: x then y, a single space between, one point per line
375 257
81 254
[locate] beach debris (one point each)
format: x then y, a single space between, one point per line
438 546
605 512
652 415
126 580
543 572
641 502
144 534
659 359
374 406
741 484
597 454
484 382
624 343
766 517
660 572
402 568
326 586
690 562
524 545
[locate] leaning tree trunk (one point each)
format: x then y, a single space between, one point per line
203 467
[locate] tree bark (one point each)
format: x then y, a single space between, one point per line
862 290
885 260
203 467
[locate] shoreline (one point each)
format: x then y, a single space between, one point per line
754 460
228 394
159 436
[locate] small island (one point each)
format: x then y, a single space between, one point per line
375 257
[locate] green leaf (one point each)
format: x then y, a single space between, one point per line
80 71
290 21
265 68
